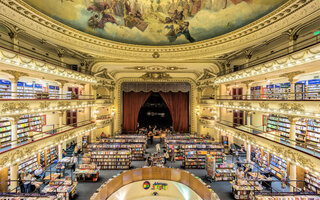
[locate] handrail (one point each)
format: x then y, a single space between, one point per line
10 46
301 146
4 95
155 173
274 55
41 135
274 96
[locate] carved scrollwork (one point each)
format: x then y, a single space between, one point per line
156 76
264 105
44 104
64 103
292 106
14 106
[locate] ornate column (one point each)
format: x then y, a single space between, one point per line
248 147
62 83
293 176
60 118
292 135
14 137
14 80
59 152
14 172
247 83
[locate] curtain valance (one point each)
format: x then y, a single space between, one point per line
156 87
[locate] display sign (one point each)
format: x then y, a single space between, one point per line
5 82
146 185
156 186
314 81
20 84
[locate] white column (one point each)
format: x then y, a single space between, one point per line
292 135
248 147
293 176
292 89
79 141
59 151
14 89
14 137
14 171
60 118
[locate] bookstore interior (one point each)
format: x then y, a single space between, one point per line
160 100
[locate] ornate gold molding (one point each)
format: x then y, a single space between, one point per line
156 76
289 13
14 106
16 74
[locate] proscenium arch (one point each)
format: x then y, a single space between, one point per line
119 99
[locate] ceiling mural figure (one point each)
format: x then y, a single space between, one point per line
156 22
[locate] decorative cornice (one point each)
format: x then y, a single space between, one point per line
286 62
21 61
287 15
16 75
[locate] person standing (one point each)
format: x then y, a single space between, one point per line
158 148
39 173
151 138
173 155
74 161
27 182
166 157
21 176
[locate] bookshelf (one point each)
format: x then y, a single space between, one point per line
5 89
224 172
307 130
54 92
111 159
312 183
277 164
196 159
136 146
52 155
29 164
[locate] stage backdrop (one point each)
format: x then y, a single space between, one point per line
177 102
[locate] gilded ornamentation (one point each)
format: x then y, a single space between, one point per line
230 103
44 104
16 74
64 103
156 76
264 105
292 106
292 75
14 106
62 82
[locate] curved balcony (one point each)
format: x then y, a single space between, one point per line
154 173
303 154
16 150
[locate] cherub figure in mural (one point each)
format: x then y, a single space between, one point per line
177 30
133 16
101 14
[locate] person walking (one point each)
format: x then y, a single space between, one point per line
166 157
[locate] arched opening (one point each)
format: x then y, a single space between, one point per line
155 112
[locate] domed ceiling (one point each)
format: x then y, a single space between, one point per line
156 22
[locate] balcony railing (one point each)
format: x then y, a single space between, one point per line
275 136
274 55
275 96
36 136
4 96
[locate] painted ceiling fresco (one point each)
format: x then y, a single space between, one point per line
156 22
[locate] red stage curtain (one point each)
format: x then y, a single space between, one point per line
132 103
178 104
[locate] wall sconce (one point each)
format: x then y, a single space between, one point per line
197 110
